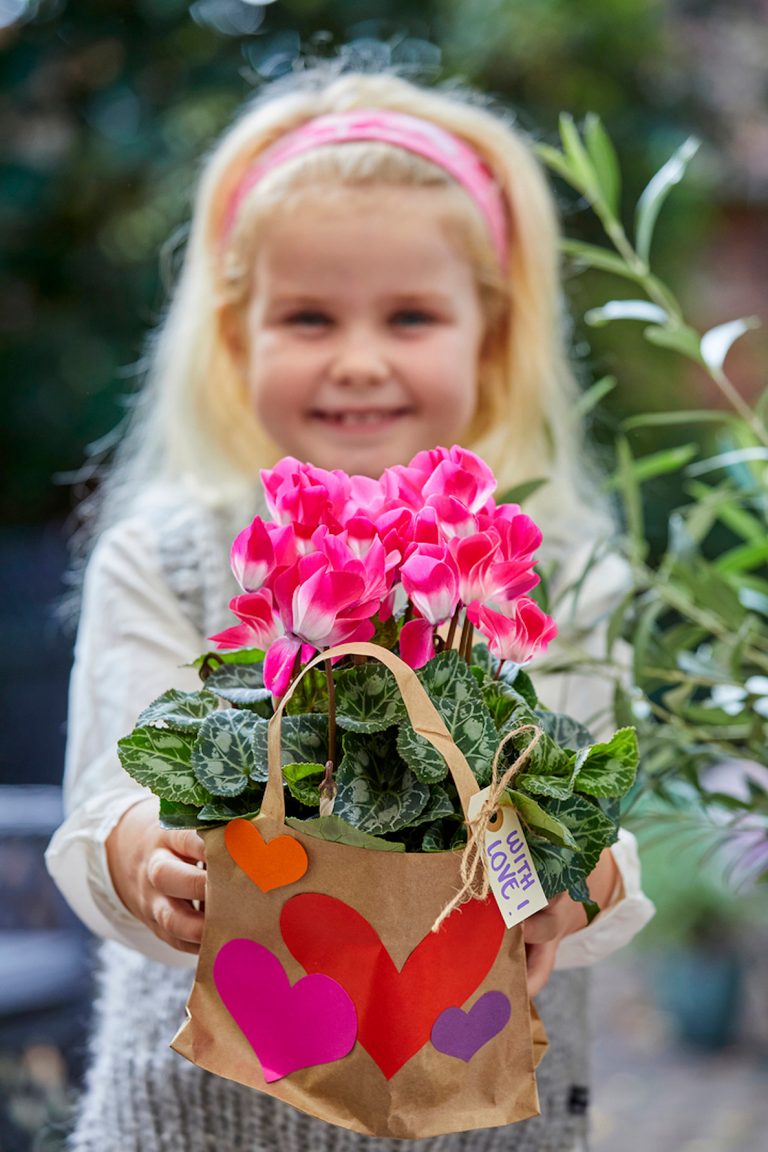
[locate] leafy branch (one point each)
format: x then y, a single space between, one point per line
696 617
589 164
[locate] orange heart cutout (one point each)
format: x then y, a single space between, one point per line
270 865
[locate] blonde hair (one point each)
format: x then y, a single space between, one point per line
194 420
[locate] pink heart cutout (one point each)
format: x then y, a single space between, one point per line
288 1026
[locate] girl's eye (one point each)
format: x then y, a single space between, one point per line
309 319
412 317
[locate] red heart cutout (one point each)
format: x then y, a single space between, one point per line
395 1009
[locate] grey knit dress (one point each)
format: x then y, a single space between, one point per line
140 1096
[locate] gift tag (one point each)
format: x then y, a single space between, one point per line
514 882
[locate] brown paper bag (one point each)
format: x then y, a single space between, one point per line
321 983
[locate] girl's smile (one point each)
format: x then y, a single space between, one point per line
364 330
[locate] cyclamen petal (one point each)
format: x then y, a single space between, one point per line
258 627
366 497
238 636
474 556
430 580
417 643
321 600
279 663
252 556
458 473
256 611
517 637
453 517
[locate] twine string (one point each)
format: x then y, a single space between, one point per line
472 870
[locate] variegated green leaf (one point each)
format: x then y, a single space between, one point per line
545 757
588 824
223 758
303 740
432 839
178 710
438 806
501 701
174 815
457 697
608 769
533 785
511 676
303 782
368 699
340 832
564 730
245 806
375 790
240 684
561 870
208 661
535 816
161 760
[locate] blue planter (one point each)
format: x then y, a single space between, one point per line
701 990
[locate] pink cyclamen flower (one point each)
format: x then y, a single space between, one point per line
516 631
431 582
358 551
318 606
258 627
497 564
252 556
456 472
259 551
305 496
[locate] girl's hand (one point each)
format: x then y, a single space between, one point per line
155 874
543 931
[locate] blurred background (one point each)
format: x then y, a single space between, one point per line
105 108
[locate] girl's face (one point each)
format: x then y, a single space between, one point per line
363 333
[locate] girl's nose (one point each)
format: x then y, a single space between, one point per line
359 364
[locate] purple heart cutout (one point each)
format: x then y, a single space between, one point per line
461 1034
288 1026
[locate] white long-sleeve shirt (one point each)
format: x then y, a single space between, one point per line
133 643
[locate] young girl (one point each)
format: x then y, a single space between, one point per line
372 270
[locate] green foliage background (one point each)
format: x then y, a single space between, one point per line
107 106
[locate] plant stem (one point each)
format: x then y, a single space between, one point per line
748 415
499 667
452 629
331 713
465 644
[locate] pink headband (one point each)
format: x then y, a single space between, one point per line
422 137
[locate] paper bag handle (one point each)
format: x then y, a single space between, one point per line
422 713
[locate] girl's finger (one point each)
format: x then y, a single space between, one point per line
542 926
185 842
540 960
179 925
171 876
